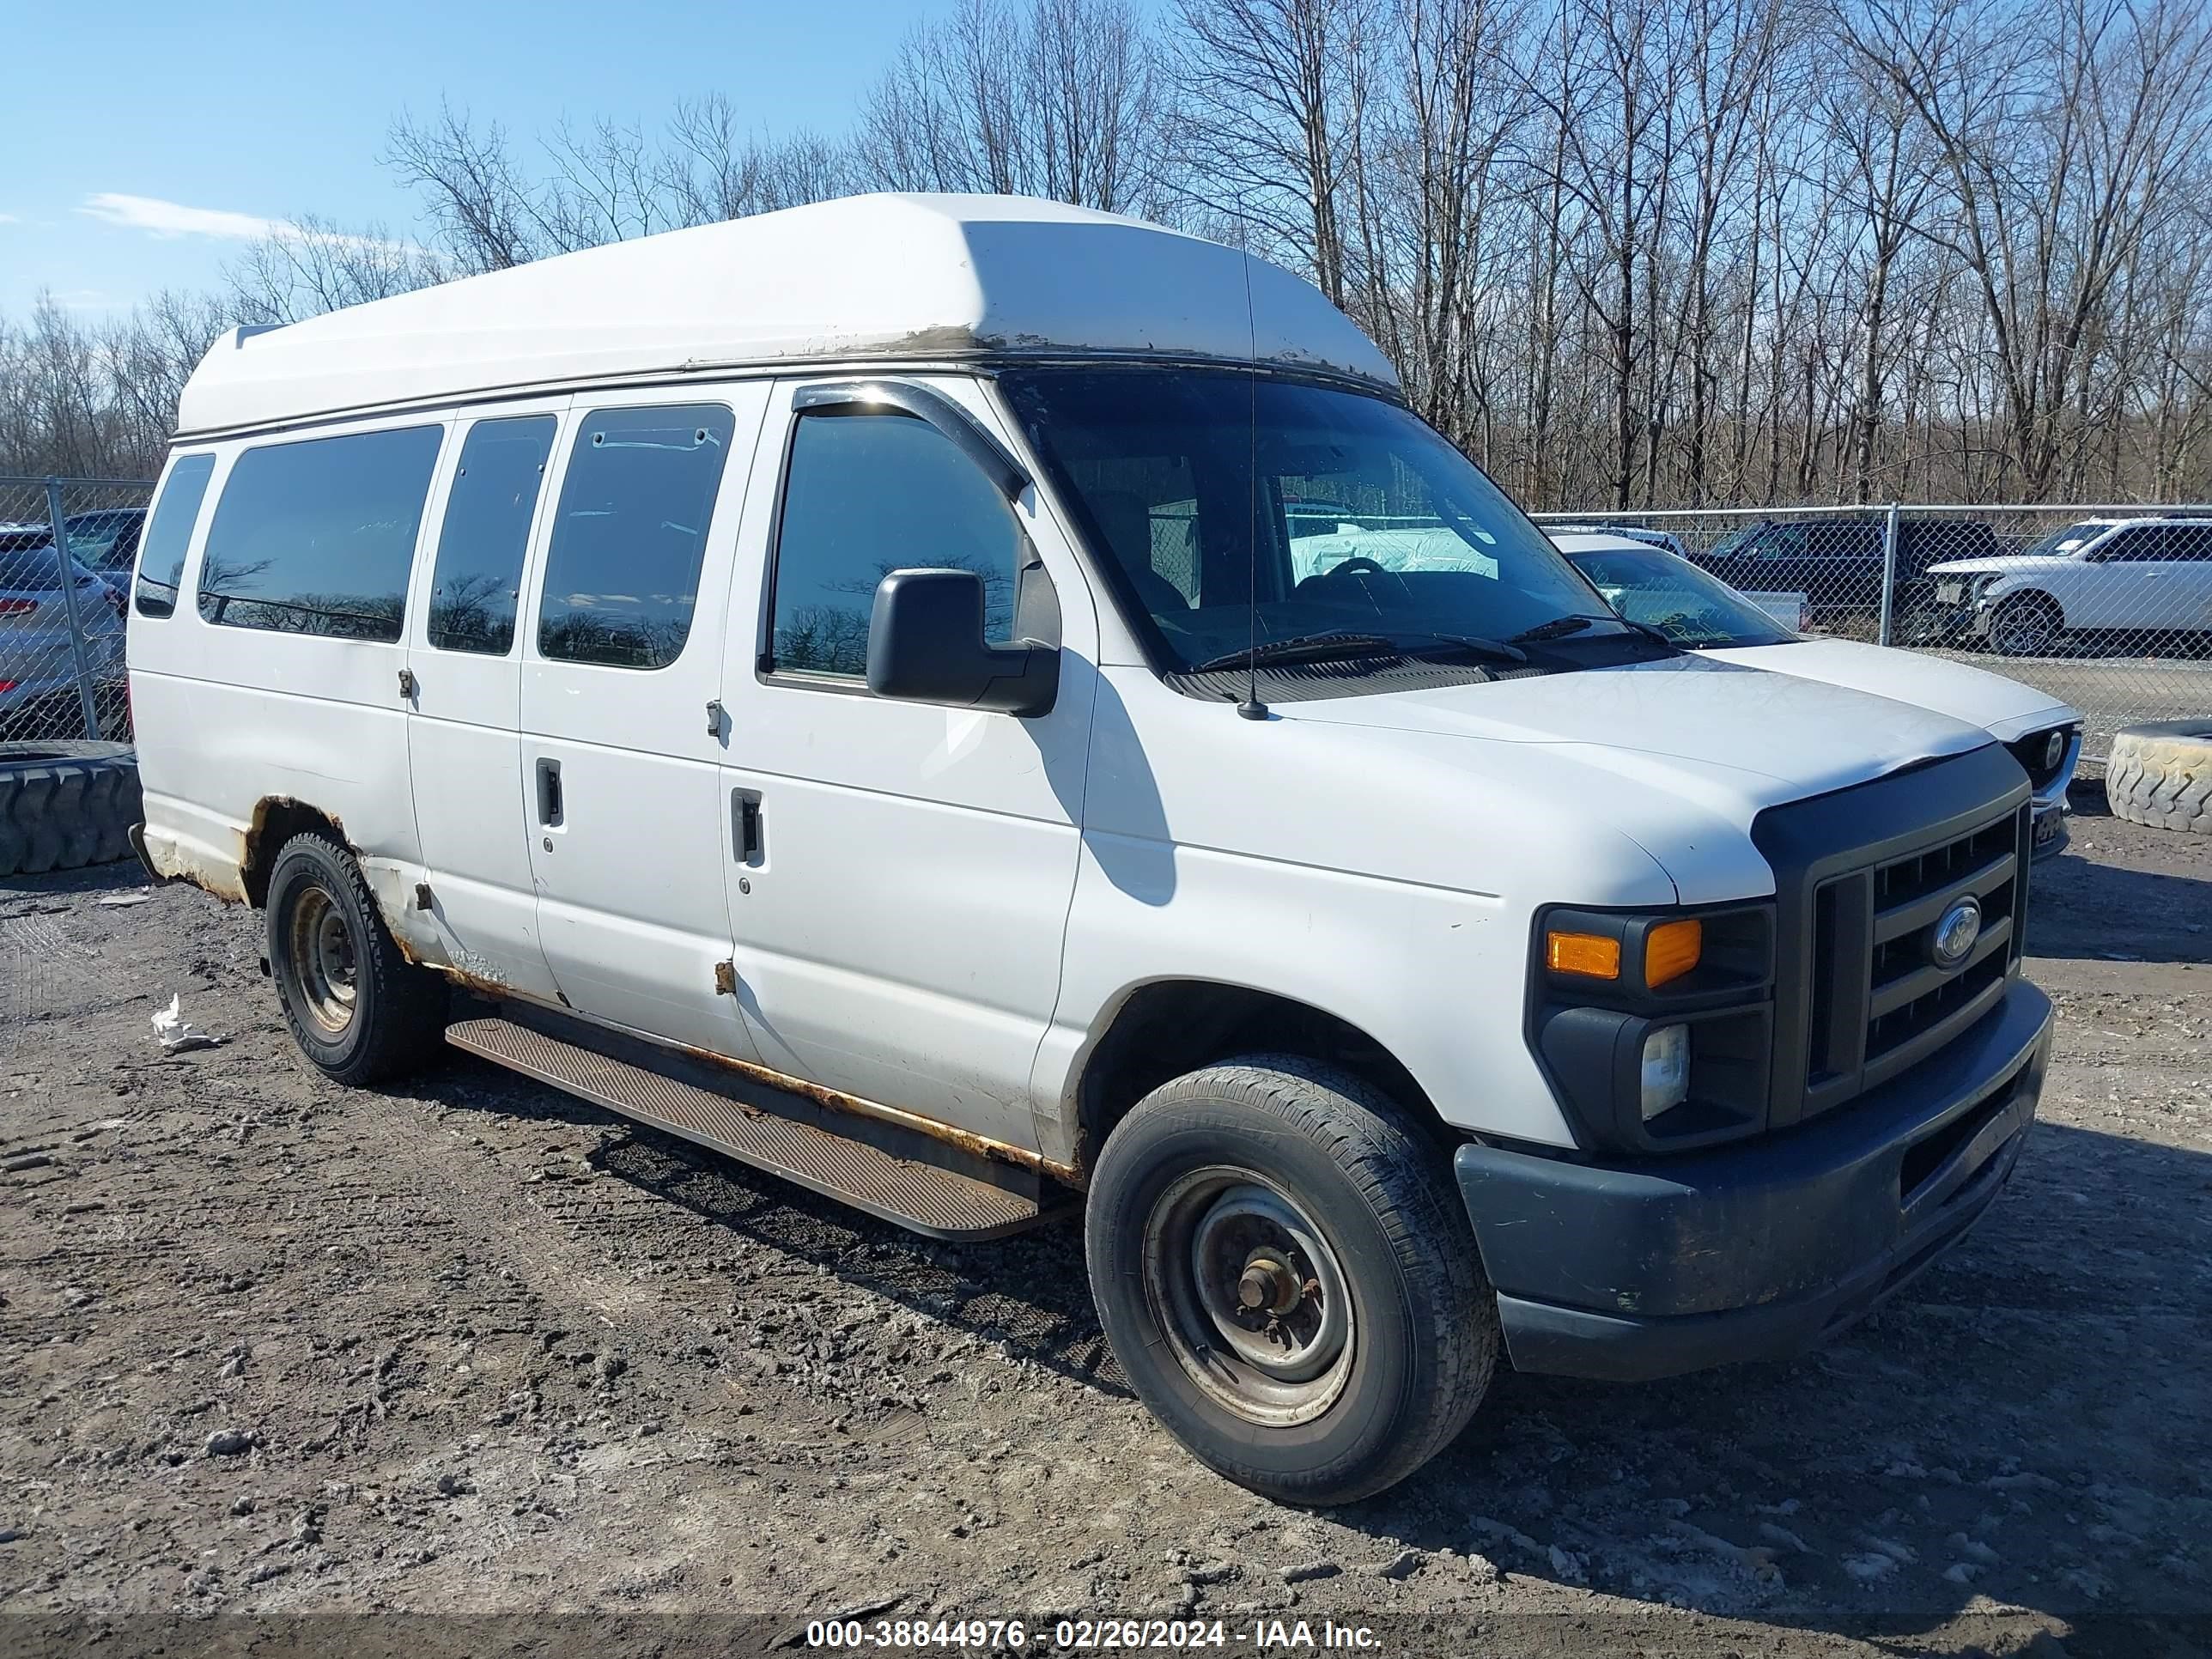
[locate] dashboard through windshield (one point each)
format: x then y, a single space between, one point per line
1320 525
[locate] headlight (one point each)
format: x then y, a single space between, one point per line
1665 1070
1656 1029
1978 589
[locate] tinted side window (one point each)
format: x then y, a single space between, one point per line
867 495
486 532
161 554
2142 544
621 573
317 537
2190 543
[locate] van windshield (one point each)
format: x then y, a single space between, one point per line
1330 528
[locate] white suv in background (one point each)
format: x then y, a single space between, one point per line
2136 574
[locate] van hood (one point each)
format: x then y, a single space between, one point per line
1703 746
2004 707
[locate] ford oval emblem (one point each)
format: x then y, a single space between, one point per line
1953 937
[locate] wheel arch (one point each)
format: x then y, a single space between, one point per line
276 819
1162 1029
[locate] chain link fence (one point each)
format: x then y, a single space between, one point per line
2106 608
61 636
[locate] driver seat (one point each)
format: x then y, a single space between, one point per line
1126 522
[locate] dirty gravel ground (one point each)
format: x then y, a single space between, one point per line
269 1346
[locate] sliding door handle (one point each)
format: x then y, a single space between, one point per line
748 831
549 793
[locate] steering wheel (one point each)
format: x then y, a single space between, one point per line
1358 565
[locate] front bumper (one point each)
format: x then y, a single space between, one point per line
1761 1250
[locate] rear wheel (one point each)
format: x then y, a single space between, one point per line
357 1008
1283 1268
2027 625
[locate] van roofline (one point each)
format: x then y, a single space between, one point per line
906 277
983 364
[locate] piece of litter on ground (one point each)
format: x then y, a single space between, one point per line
179 1034
116 901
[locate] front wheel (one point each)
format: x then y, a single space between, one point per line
1285 1273
2026 625
357 1008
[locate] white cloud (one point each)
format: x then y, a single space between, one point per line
9 219
161 218
168 219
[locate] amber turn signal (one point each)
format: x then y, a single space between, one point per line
1671 950
1593 955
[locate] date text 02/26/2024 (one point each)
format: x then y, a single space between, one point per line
1088 1635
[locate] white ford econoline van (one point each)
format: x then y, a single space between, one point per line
856 688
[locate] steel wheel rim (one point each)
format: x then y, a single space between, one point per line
1248 1288
324 964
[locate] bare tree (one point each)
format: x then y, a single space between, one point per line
1061 98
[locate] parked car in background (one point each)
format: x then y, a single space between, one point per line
2146 574
38 667
107 538
1635 532
1701 613
1836 563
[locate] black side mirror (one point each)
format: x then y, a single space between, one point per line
926 645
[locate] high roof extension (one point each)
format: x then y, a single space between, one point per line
869 278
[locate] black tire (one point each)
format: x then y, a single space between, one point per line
358 1009
1423 1334
2026 625
64 804
2160 775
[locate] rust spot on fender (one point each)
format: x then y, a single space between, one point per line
491 989
224 878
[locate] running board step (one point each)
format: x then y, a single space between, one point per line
923 1196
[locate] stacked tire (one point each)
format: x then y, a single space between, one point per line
2160 775
65 804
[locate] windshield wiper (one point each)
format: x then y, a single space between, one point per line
1652 631
1558 628
1474 645
1306 647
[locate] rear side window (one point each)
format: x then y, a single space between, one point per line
2189 543
161 554
486 532
867 495
317 537
621 572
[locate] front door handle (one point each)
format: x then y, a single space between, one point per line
548 794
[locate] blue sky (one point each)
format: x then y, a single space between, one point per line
120 114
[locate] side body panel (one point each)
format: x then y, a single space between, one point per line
1201 862
229 719
897 932
628 867
464 752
